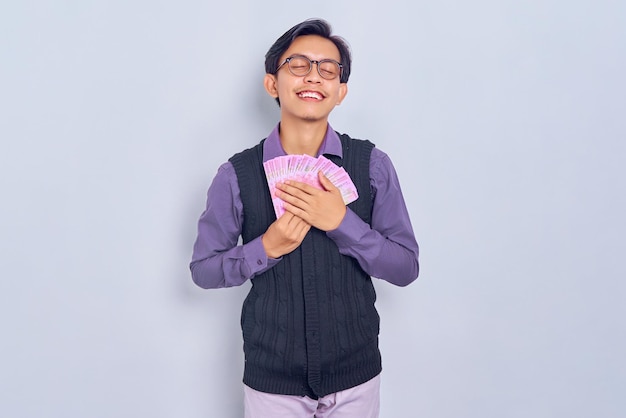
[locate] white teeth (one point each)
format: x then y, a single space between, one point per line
311 95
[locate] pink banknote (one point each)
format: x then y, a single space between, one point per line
305 169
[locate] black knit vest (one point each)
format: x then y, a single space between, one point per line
309 323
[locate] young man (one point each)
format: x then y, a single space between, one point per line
310 328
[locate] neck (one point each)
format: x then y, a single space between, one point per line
302 137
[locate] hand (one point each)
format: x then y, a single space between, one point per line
323 209
284 235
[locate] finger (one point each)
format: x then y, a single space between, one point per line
296 221
297 229
304 230
286 218
302 227
295 211
292 221
296 188
298 199
327 184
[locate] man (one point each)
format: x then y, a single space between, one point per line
310 328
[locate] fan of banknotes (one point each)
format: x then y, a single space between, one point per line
305 168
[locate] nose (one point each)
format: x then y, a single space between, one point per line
314 75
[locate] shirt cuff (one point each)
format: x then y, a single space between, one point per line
350 230
256 258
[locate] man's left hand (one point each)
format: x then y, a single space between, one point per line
323 209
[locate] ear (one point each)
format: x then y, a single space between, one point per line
269 82
343 90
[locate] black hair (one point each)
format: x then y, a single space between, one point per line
317 27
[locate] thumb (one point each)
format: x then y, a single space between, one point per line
326 184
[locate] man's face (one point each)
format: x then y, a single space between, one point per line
310 97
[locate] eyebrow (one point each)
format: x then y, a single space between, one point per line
309 58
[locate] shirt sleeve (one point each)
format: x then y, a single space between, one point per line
388 249
218 260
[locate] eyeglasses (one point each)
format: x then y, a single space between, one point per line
299 65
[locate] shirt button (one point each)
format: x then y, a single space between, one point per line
259 262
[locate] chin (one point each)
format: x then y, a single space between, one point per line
307 115
312 118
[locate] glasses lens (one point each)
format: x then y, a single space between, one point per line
329 69
299 65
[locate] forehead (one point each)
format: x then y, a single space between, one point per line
313 46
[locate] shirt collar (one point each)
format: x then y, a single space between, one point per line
272 147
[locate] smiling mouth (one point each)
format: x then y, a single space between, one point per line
310 95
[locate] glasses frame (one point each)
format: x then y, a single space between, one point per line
311 62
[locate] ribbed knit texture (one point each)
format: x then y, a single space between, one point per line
309 323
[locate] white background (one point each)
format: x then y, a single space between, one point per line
505 121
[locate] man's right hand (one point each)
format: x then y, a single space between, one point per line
284 235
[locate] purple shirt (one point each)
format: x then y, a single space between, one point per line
386 250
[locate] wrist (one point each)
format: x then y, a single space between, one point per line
339 219
269 251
